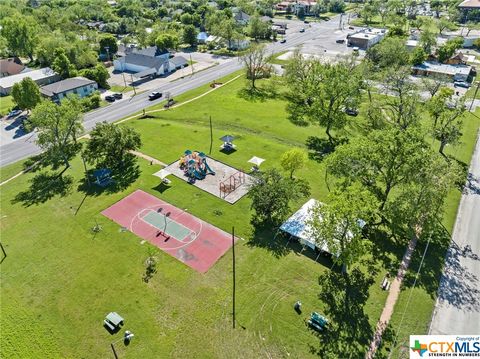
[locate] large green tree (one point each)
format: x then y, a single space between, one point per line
26 94
166 41
58 129
447 115
110 146
108 45
319 92
293 160
21 34
338 224
98 74
256 64
271 195
190 35
62 65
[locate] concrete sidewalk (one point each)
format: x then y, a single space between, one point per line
457 309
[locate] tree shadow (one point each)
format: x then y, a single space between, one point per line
263 237
349 331
382 248
43 187
319 148
454 283
122 177
257 94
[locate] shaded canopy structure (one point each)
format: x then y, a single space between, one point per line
257 161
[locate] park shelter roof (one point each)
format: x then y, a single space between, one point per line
162 173
297 226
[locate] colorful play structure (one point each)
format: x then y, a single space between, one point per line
195 166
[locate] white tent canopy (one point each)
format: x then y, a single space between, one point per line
162 174
257 161
297 226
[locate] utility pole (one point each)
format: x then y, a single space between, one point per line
191 63
133 85
211 136
233 257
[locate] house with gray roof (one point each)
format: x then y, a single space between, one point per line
79 86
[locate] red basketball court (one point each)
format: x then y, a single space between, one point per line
192 241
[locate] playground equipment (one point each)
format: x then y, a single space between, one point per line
195 165
231 183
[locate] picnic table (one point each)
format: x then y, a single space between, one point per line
113 320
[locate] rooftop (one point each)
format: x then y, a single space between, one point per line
65 85
142 60
9 81
151 51
444 68
470 4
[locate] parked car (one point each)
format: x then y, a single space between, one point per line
282 41
340 41
351 111
356 49
463 84
110 98
306 22
14 113
154 95
302 30
118 95
351 28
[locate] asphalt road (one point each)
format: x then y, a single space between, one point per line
25 146
457 310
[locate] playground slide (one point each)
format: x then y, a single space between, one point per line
208 169
198 175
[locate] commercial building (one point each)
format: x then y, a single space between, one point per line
446 71
365 39
41 77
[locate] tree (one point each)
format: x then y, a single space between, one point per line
293 160
319 93
368 12
62 65
21 35
448 49
58 129
432 84
108 45
447 115
428 40
271 195
186 19
258 29
338 224
471 25
26 94
99 74
166 41
228 29
444 24
110 146
391 52
382 161
418 56
190 35
256 64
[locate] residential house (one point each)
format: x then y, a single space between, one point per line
12 66
241 44
448 72
241 17
469 10
79 86
457 59
41 77
365 39
179 62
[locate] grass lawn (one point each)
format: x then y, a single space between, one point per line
57 311
117 88
61 280
6 104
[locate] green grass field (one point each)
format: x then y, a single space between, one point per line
61 279
6 104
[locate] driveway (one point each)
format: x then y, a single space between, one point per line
457 310
11 130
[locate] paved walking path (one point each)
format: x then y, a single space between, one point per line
393 294
149 158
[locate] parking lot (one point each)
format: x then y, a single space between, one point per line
11 128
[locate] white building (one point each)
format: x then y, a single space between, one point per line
365 39
41 77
